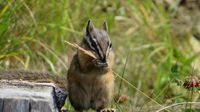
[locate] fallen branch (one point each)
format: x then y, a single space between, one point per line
81 49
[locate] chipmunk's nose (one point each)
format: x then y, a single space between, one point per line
102 63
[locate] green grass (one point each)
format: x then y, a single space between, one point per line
149 58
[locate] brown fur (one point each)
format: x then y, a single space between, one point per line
89 87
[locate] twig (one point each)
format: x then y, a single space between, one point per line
81 49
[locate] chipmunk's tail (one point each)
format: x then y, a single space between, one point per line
40 77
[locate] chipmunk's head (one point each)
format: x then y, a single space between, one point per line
99 43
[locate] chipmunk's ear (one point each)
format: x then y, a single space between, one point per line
90 27
105 27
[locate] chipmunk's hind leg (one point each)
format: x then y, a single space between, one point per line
107 110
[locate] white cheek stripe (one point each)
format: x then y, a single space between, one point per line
108 50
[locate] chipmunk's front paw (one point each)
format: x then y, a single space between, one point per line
109 110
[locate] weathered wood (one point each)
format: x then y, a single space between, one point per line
15 105
18 96
1 105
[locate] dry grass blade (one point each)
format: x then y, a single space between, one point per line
81 49
176 104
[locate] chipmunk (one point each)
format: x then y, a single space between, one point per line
91 81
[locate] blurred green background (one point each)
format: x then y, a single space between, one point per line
156 43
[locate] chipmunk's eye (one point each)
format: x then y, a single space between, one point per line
93 45
110 45
94 37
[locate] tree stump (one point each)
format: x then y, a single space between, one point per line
20 96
